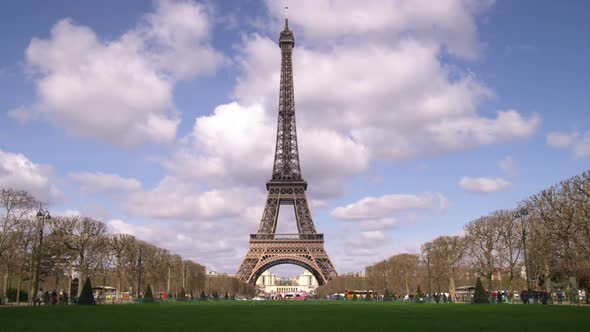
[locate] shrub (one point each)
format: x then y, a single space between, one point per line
86 297
215 295
148 296
203 297
11 295
480 296
354 297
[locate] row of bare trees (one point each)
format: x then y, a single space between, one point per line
76 247
551 228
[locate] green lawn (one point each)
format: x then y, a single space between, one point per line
300 316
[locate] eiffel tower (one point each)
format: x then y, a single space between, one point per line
286 187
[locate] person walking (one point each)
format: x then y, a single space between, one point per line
524 296
46 297
39 298
53 299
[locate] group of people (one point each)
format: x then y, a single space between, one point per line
442 297
52 298
434 297
535 296
544 297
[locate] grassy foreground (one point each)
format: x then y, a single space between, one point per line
292 316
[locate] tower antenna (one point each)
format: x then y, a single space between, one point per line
286 10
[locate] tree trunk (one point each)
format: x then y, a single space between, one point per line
81 279
574 287
183 275
56 280
18 285
81 282
5 286
510 289
70 281
547 278
168 287
32 292
119 285
452 290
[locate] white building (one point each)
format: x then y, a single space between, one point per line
269 283
266 279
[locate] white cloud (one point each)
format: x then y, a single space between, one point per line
19 173
378 224
235 145
317 203
562 140
506 165
101 182
381 208
396 100
178 200
579 143
483 185
120 90
373 235
448 22
582 149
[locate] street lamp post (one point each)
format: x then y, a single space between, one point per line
520 215
42 215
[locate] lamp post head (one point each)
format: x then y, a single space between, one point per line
39 214
517 215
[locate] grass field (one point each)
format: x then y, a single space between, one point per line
296 316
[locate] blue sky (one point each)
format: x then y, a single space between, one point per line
413 119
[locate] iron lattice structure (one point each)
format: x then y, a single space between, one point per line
286 187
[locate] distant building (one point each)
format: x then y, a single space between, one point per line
266 279
271 284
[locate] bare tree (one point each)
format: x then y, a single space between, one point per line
83 236
511 240
483 240
122 246
446 254
577 190
17 206
402 272
557 216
